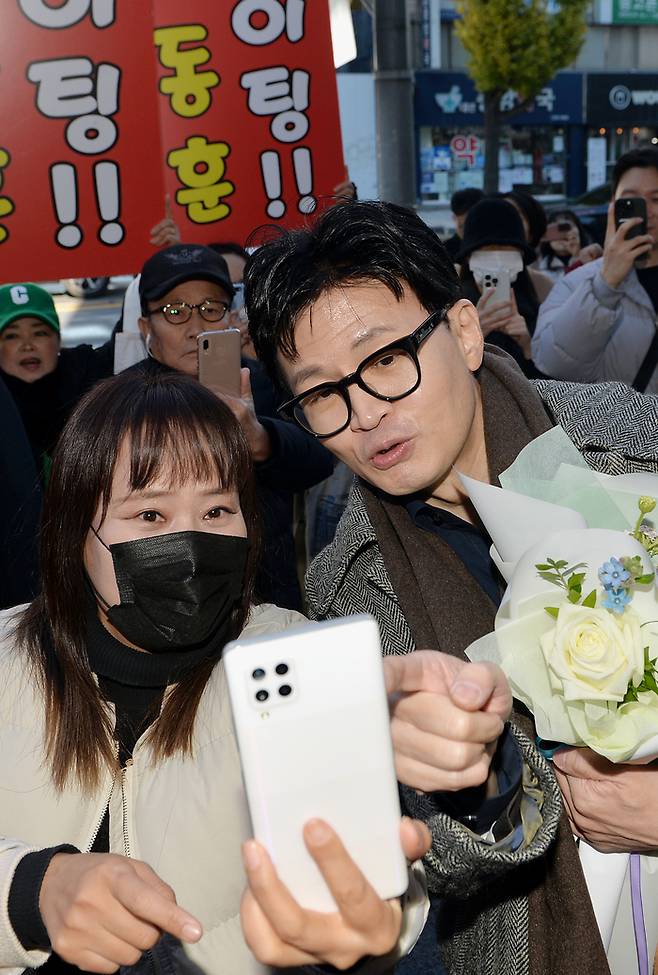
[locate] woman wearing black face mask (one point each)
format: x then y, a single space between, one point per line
118 767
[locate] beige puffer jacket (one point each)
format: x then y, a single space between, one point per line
185 817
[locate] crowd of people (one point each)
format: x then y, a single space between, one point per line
148 520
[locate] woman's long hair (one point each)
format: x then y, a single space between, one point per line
174 427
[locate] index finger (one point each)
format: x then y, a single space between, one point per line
147 902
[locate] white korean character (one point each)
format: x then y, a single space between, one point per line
68 13
546 99
508 101
283 94
279 18
67 88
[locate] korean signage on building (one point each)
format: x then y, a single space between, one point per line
445 98
107 105
621 99
635 11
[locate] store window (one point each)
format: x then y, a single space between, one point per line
531 158
607 143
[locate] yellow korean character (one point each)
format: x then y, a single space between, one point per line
189 89
200 166
6 205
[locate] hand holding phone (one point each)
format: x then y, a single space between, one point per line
312 724
219 360
497 281
281 933
627 241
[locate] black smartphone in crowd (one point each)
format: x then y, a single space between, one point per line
626 208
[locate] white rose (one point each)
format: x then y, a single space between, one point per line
592 655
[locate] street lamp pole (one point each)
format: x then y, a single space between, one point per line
396 166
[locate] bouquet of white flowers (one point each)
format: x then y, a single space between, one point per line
577 630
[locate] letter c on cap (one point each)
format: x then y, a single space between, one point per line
19 295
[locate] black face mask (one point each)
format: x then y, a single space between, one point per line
176 591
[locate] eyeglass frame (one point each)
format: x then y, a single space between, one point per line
192 307
407 343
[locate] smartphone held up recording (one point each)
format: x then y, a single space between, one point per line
312 723
219 360
627 208
497 280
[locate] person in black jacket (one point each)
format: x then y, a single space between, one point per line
185 290
44 380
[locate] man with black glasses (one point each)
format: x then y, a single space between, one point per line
185 290
361 314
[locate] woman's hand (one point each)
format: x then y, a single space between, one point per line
102 911
493 314
281 933
517 329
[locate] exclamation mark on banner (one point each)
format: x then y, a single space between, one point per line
301 160
64 187
108 199
270 166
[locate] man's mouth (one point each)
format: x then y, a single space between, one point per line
391 454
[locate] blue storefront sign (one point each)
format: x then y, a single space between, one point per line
449 99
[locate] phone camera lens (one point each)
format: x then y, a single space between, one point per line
285 690
258 673
205 345
262 696
281 669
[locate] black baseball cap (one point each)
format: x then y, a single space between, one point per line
182 262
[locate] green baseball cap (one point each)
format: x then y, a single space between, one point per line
26 301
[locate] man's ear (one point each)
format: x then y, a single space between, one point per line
144 327
465 327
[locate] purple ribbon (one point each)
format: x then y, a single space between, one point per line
638 916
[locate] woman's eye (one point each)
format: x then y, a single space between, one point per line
216 513
149 516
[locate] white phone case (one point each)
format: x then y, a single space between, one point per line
498 281
321 748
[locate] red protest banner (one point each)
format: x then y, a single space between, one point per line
249 113
78 105
232 108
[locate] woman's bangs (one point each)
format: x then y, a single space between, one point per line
179 449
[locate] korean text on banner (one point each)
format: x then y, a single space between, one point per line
248 113
81 180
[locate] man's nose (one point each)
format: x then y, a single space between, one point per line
367 410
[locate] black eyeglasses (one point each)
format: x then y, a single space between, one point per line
180 312
390 373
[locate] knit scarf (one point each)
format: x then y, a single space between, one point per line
445 608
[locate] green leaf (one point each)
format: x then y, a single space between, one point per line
590 601
574 595
543 567
650 682
645 579
552 611
561 564
576 580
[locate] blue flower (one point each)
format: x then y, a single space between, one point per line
613 575
616 600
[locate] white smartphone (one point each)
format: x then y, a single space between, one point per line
219 360
312 723
498 281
